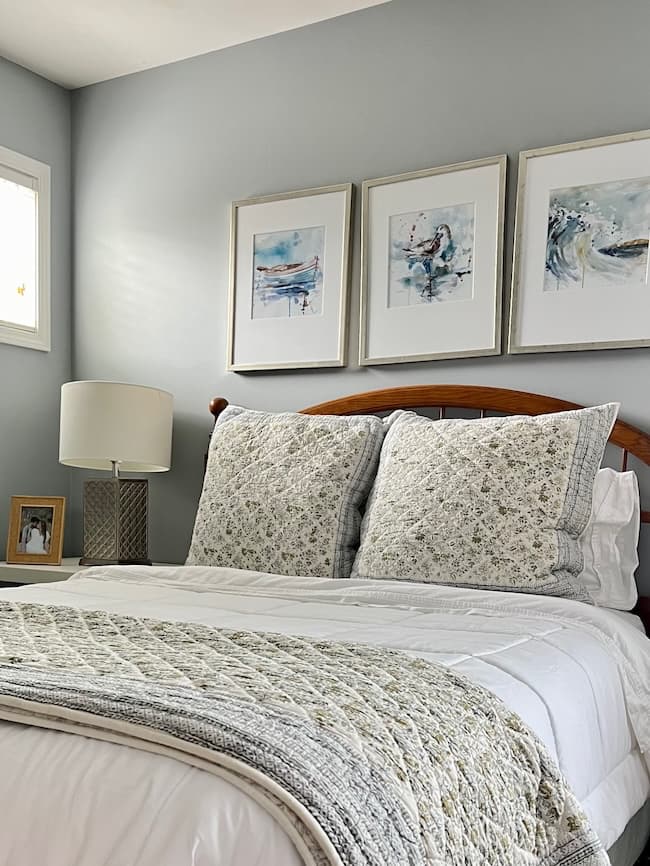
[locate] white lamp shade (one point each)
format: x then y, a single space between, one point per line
102 422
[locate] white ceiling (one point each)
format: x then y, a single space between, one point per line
79 42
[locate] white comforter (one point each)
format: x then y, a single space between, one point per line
579 676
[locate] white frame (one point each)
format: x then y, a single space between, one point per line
39 175
339 356
517 289
494 268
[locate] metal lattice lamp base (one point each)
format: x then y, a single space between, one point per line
115 522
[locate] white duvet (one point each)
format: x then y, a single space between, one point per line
578 675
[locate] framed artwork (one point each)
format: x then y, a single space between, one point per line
36 530
289 273
580 272
431 269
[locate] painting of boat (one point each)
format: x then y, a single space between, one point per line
597 236
293 274
288 273
626 249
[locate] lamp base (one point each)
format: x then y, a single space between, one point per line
115 521
85 561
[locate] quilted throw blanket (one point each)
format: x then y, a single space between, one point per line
366 756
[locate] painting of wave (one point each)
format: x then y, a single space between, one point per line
431 255
598 236
288 273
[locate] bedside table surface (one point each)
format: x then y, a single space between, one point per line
20 573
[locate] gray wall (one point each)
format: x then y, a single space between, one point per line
412 84
35 120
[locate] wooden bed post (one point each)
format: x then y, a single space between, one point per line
216 406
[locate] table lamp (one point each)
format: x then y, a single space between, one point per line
109 425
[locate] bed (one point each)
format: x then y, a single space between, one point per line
578 675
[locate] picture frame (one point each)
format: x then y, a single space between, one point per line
289 276
432 263
580 268
36 525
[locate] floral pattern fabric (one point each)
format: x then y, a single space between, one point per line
496 503
282 492
381 759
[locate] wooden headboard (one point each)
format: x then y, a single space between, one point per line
630 440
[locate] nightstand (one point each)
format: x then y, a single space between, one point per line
18 574
642 610
10 573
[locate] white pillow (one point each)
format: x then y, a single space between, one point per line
610 539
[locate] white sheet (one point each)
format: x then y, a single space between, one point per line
578 675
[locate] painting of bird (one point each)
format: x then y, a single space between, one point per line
440 248
431 255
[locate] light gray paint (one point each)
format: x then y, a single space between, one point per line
35 120
412 84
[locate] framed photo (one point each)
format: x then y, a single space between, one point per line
36 530
580 272
289 273
431 268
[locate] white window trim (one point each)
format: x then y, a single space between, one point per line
39 174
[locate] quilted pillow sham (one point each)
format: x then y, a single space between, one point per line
282 492
496 503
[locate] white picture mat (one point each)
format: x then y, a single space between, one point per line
570 315
297 340
436 328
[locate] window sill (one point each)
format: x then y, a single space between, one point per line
28 338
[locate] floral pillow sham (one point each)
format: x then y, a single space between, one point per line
495 503
282 492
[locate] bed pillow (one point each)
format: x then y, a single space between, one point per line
610 540
282 492
496 503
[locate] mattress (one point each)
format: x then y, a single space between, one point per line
578 675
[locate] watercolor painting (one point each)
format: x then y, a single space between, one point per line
598 236
288 273
430 256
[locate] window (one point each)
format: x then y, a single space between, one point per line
24 251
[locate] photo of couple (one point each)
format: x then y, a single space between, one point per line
35 530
